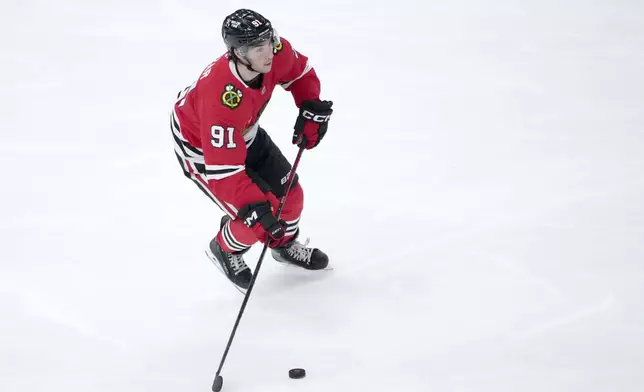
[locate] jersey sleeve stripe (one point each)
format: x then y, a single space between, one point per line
306 70
219 174
223 167
188 151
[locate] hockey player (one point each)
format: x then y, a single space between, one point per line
233 160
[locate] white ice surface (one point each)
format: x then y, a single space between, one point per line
480 192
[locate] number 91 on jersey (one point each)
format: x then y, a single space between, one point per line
221 136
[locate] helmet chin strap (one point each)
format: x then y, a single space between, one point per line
245 63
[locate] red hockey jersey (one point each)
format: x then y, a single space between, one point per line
216 117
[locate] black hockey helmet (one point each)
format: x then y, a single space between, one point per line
244 28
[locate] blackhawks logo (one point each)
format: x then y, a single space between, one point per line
231 97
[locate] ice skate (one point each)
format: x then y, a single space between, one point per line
231 264
301 255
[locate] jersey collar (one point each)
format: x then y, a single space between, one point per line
233 70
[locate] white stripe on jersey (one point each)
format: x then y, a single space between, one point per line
231 241
232 207
201 183
183 147
249 137
218 172
291 226
306 70
293 222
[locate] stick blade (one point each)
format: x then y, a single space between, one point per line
217 384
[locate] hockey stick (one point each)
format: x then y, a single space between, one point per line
219 380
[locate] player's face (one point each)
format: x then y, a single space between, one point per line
260 57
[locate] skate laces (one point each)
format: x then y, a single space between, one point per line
237 263
300 251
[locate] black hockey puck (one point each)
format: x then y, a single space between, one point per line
297 373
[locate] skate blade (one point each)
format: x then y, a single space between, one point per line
291 265
216 263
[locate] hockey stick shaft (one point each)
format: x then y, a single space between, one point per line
217 384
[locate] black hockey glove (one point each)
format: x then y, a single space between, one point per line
254 213
312 123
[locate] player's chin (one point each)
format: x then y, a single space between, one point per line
266 68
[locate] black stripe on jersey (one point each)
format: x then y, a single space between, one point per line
183 165
193 149
179 144
292 224
175 123
211 172
201 168
187 145
230 240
